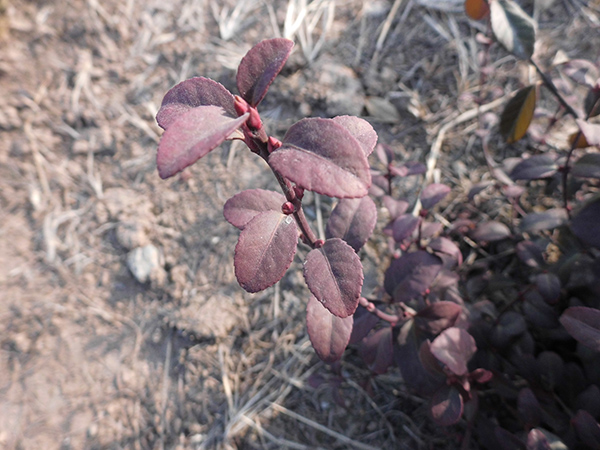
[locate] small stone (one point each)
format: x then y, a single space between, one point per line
131 235
143 261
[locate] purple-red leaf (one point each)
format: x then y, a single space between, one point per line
433 194
546 220
446 406
265 250
190 94
404 226
548 286
364 321
529 408
535 167
362 131
260 66
191 136
329 334
509 326
334 275
587 428
377 351
447 247
411 275
454 347
353 220
438 316
583 324
585 224
321 155
395 207
490 232
530 254
243 207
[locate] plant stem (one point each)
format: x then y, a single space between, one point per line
550 85
370 306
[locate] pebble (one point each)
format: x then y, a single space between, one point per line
145 263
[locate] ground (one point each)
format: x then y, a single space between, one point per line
181 357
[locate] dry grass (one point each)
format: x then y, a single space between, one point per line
92 359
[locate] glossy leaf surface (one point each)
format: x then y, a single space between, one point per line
362 131
353 220
454 347
411 275
517 114
513 28
583 324
334 275
320 155
433 194
260 66
534 168
189 94
329 334
191 136
243 207
265 250
446 406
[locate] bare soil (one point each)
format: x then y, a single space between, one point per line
90 357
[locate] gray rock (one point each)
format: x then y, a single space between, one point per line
145 263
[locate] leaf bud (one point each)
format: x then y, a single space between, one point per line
273 144
319 243
241 106
254 122
288 208
299 192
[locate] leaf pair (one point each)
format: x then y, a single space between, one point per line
199 114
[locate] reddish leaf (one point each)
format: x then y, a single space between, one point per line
587 428
534 168
395 207
384 153
454 347
477 9
362 131
518 112
583 324
446 246
190 137
446 406
260 66
411 275
404 226
438 316
490 232
329 334
190 94
429 361
353 220
481 376
591 132
581 71
322 156
477 188
243 207
334 275
265 250
546 220
433 194
588 166
377 351
585 224
364 321
513 28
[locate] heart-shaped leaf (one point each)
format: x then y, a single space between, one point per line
513 28
353 220
362 131
433 194
243 207
191 136
588 166
534 168
446 406
517 114
409 276
321 155
477 9
585 224
583 324
190 94
260 66
329 334
377 350
546 220
334 275
265 250
454 347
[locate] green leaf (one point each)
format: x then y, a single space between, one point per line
513 28
517 114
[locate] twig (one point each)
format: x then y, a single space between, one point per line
550 85
384 32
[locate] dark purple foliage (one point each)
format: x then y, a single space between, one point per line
329 334
377 350
454 347
535 167
411 275
546 220
585 224
242 207
490 232
404 226
433 194
437 317
446 406
583 324
353 220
